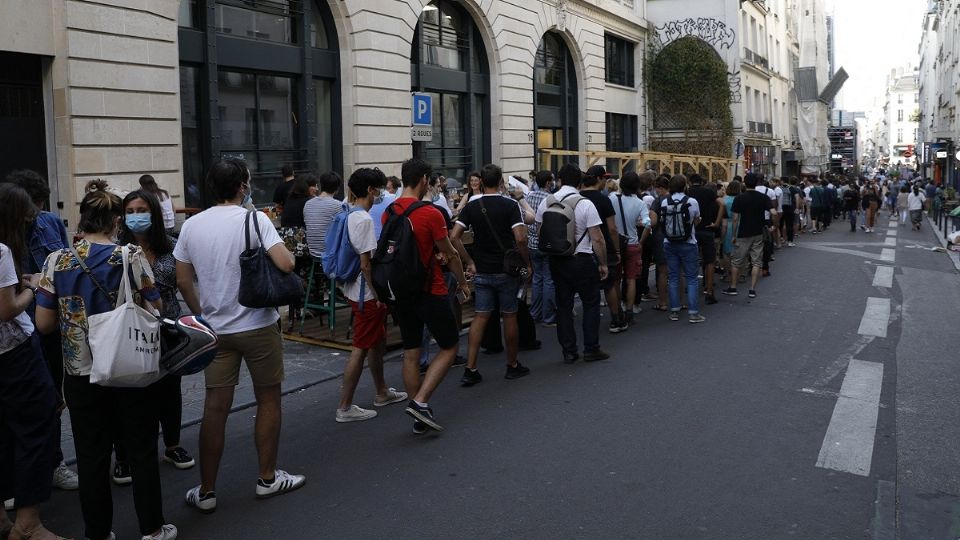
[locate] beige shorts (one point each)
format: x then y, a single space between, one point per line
748 250
261 349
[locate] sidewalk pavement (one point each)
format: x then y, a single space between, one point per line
305 366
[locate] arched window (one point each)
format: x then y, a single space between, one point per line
555 99
259 80
450 63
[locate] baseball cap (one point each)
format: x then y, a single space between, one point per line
597 171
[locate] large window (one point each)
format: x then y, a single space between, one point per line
622 136
555 99
619 61
247 91
450 64
271 20
191 131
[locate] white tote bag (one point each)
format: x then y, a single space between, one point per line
125 342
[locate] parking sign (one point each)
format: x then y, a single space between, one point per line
422 129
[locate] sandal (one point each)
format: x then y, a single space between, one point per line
660 308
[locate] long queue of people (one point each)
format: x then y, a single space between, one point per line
529 252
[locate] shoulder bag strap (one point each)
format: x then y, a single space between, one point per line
86 270
623 216
496 237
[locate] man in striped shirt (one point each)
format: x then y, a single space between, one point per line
543 307
319 212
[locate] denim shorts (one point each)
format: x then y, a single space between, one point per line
493 289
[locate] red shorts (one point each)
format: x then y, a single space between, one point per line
369 326
631 262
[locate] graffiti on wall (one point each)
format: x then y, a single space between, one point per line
714 32
734 79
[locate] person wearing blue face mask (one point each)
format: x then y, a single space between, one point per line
143 226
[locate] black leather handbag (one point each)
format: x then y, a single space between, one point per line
262 284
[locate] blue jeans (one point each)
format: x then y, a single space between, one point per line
490 290
682 253
543 307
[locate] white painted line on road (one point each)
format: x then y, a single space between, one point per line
892 232
876 317
883 277
848 443
890 241
888 255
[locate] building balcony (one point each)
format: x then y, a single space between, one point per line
761 130
755 59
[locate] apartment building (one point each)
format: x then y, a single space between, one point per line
117 88
938 139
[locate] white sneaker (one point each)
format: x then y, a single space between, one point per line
205 503
167 532
356 414
65 479
391 397
9 504
282 483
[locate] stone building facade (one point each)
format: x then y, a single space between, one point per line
120 88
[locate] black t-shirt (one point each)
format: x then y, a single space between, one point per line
605 209
280 194
293 212
707 199
851 199
504 216
751 206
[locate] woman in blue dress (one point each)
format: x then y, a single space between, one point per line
733 189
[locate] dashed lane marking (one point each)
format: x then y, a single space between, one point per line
848 443
888 255
883 277
876 317
891 241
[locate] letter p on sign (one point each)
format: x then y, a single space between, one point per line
422 129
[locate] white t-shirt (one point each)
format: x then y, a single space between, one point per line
212 241
363 239
637 213
773 195
169 217
15 332
585 214
443 203
915 202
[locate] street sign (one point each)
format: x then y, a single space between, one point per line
422 129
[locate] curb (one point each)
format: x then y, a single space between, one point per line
954 256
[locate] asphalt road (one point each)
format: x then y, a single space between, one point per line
689 431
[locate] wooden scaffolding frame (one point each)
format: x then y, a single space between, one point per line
663 163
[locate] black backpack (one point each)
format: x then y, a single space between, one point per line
677 226
399 275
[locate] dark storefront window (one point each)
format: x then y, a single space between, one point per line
267 20
622 136
450 63
555 100
619 60
245 96
190 128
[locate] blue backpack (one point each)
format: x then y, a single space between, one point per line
340 260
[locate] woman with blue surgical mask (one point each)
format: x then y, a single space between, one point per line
143 226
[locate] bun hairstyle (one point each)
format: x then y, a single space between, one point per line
99 209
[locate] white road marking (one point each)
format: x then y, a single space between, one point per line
892 232
876 317
888 255
891 241
848 443
883 277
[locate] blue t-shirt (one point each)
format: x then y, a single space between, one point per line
376 212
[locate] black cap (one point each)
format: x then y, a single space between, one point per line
597 171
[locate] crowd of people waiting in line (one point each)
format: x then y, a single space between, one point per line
526 251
